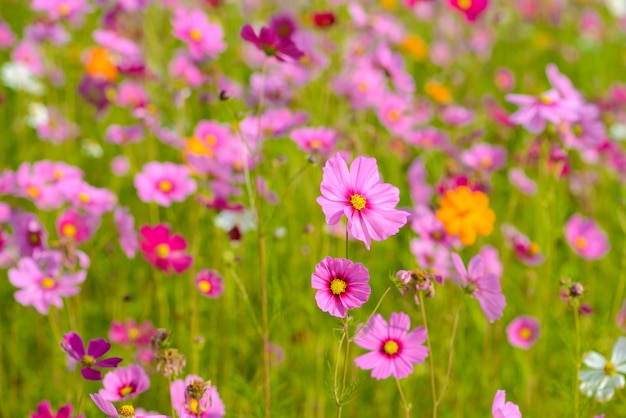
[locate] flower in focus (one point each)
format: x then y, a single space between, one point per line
466 213
394 350
125 411
368 203
130 333
44 411
270 43
500 409
604 376
586 238
341 285
97 348
124 383
194 397
163 250
209 283
164 183
523 331
483 286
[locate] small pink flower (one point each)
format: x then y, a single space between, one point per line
76 226
209 283
526 251
394 350
523 332
484 157
124 383
120 165
123 135
164 251
393 113
586 238
500 409
44 411
472 9
368 203
72 10
270 43
320 140
183 67
125 223
457 115
7 37
204 39
164 183
504 79
341 285
94 200
130 333
210 405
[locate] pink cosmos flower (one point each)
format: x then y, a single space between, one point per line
394 350
163 250
123 135
76 226
485 287
204 39
94 200
183 67
393 113
428 227
44 411
341 285
210 405
523 331
485 157
368 203
124 383
124 412
322 140
72 10
504 79
130 333
270 43
429 138
7 37
523 183
500 409
526 251
491 260
457 115
431 256
472 9
113 42
164 183
420 190
120 165
209 283
363 86
586 238
28 234
75 348
125 223
42 282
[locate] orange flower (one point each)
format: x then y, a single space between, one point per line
100 64
438 92
465 213
415 47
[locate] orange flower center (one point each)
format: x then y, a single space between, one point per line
204 286
580 243
525 333
84 197
47 283
162 250
534 249
393 115
315 144
63 9
464 4
69 230
165 186
33 192
195 35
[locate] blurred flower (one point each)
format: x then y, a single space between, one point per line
270 43
124 383
94 200
586 238
415 47
209 283
130 333
164 183
204 39
466 213
194 397
97 348
235 222
18 77
500 409
526 251
438 92
523 331
321 140
323 19
7 37
620 319
604 376
368 203
76 226
44 411
341 285
120 165
72 10
164 250
518 178
504 79
485 157
28 234
99 63
125 224
394 350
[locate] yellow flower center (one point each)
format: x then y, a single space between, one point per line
133 333
58 174
358 201
486 162
69 230
204 286
393 115
84 197
193 406
47 283
338 286
196 35
415 47
464 4
362 86
580 243
210 139
162 250
525 333
165 186
534 249
545 99
391 347
33 192
88 361
110 93
63 9
126 411
126 390
609 368
315 144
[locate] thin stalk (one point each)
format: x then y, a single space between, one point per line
80 398
407 408
577 327
377 306
345 366
450 355
430 355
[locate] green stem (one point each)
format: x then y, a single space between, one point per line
80 398
576 391
430 355
450 355
407 408
345 366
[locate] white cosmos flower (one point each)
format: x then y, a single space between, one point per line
617 7
17 76
604 376
37 115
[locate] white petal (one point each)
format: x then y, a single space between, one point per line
619 351
594 360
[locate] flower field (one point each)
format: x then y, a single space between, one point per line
350 208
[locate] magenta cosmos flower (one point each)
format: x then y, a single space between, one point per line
164 183
483 286
97 348
209 283
320 140
44 411
394 350
341 285
368 203
204 39
523 332
163 250
500 409
472 9
125 411
270 43
586 238
130 333
209 405
124 383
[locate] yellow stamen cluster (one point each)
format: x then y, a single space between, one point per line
464 4
391 347
126 411
338 286
47 283
165 186
162 250
358 201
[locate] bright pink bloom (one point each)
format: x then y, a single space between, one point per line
393 113
368 203
124 383
320 140
500 409
341 285
209 283
586 238
44 411
75 348
472 9
485 287
210 405
504 79
204 39
164 183
72 10
431 256
76 226
270 43
125 223
28 234
42 282
115 43
394 350
164 251
523 331
130 333
109 409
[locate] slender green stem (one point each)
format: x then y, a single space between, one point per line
577 326
80 398
164 304
450 354
377 306
407 407
345 366
430 355
335 388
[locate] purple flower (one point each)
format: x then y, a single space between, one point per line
534 111
28 234
75 347
125 410
586 238
271 43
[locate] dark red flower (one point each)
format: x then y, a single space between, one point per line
324 19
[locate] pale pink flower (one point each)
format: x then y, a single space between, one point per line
164 183
204 39
500 409
210 405
523 331
124 383
586 238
